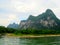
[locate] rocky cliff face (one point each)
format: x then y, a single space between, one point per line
44 20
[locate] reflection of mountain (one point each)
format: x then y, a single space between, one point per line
15 26
45 20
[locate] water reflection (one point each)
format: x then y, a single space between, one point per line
30 41
9 41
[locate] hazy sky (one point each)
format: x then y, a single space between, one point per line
17 10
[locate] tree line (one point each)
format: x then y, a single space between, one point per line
4 30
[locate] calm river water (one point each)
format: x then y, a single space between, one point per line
30 41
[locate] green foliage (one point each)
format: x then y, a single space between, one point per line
6 30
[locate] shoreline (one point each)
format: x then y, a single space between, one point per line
31 36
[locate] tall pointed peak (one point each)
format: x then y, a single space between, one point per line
49 11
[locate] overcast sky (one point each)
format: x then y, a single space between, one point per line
17 10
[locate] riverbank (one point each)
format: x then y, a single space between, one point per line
31 36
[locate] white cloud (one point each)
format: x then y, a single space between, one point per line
15 10
22 6
13 18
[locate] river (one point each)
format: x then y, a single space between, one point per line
30 41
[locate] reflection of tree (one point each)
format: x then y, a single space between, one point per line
39 41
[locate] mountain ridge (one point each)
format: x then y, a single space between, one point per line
44 20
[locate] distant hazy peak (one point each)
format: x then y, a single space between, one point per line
13 25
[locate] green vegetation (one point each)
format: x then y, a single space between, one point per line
4 30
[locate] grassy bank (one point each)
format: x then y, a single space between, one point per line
30 35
